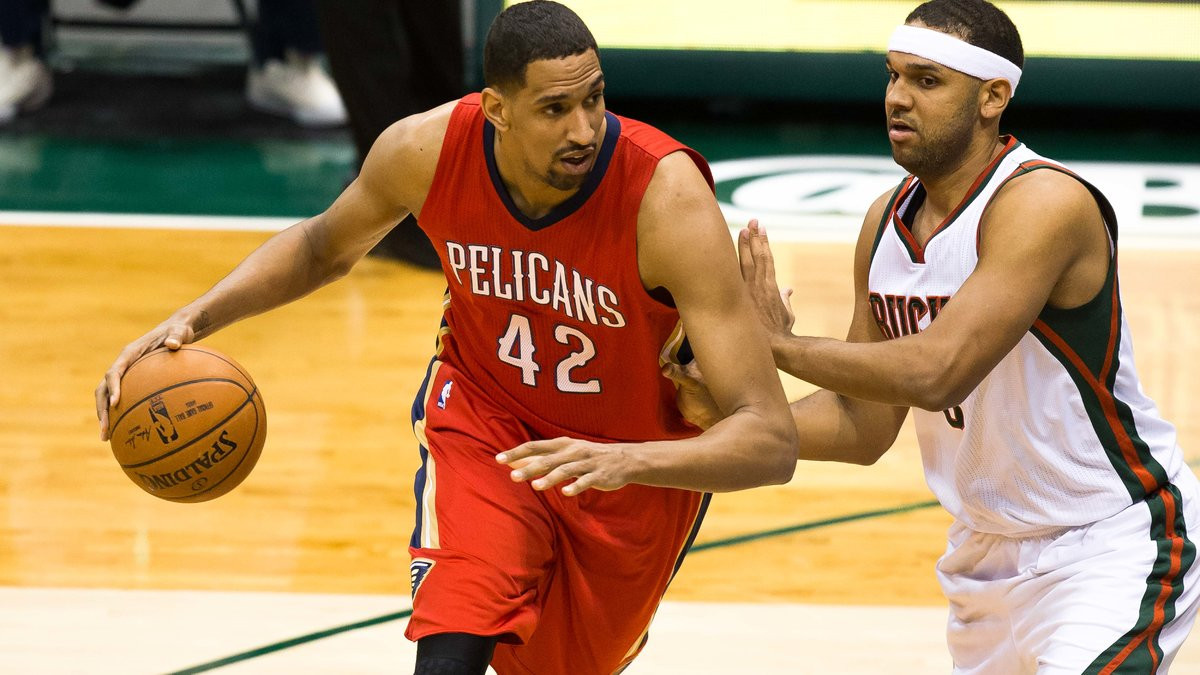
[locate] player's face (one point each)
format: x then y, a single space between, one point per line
558 119
932 114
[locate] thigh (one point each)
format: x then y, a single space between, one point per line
977 574
617 553
483 546
1117 596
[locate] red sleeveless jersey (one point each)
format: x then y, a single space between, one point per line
549 317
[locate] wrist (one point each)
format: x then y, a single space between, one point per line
780 343
637 465
198 320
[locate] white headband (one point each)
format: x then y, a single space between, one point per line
953 53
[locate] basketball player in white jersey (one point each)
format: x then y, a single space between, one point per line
986 301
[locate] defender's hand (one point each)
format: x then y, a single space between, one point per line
758 271
602 466
692 396
172 333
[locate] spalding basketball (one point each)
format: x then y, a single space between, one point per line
190 424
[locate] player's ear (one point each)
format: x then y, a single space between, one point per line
993 97
495 107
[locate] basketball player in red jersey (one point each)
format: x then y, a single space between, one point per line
577 246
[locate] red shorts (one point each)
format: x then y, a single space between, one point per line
570 584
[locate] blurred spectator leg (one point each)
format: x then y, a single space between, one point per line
391 59
286 77
25 81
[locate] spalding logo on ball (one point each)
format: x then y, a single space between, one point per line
190 424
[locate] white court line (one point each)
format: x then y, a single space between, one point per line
155 221
141 632
818 229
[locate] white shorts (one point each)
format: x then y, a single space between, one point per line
1115 596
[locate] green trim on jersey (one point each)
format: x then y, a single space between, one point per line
1138 650
1090 338
1101 425
1091 333
1088 327
887 216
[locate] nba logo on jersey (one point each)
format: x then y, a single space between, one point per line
417 571
445 394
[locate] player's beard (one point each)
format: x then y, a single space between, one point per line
566 182
942 148
563 181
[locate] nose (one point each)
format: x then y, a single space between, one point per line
579 127
897 96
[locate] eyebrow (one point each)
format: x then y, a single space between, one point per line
550 98
923 67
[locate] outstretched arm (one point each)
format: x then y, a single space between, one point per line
829 426
306 256
683 246
1042 242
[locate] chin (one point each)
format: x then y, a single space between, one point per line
564 182
904 161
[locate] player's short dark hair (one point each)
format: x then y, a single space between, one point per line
978 22
528 32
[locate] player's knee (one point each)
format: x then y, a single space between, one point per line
454 654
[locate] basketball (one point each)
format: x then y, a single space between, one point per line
190 424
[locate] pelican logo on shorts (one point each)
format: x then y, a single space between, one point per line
162 420
445 394
417 570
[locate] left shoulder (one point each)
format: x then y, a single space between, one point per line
678 180
1047 188
1046 201
679 222
1046 215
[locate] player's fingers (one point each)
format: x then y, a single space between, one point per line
692 371
676 374
530 449
102 408
521 463
532 467
683 378
767 256
176 337
513 455
580 484
559 474
764 266
745 257
112 380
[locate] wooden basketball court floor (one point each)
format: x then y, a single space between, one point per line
303 568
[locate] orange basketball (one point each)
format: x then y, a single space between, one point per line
190 424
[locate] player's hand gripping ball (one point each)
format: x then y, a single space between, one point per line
190 424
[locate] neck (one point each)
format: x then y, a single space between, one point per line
943 192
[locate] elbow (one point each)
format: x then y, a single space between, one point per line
939 390
336 270
782 465
781 472
867 456
862 453
938 401
325 265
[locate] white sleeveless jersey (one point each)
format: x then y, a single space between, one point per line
1059 433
